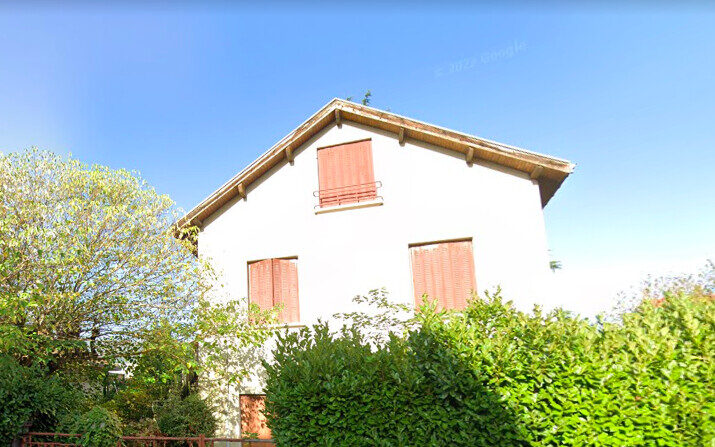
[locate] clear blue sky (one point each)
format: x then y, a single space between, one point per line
190 95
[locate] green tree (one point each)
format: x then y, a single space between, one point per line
654 289
92 275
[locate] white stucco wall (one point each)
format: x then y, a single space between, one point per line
429 194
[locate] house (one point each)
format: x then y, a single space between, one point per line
357 198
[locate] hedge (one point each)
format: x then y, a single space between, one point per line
492 375
28 395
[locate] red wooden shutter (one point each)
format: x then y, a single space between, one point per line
462 269
345 173
419 274
445 272
285 289
253 419
260 283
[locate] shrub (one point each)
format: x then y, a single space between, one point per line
188 417
132 404
99 427
492 375
27 395
336 390
143 427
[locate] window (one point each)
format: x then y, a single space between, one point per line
272 282
253 420
444 271
345 174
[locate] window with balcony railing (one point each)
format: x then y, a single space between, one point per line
345 174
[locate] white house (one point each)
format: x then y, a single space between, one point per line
357 198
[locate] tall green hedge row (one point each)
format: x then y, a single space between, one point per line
494 376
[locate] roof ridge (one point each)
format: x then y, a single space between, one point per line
503 145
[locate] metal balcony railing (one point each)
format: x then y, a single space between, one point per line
347 194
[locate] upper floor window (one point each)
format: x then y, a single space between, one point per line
444 271
345 174
273 282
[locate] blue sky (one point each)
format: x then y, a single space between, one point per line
190 95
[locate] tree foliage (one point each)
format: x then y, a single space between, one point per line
93 277
655 288
88 262
377 316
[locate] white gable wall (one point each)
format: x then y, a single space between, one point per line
429 194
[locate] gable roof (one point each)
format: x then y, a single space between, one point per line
549 171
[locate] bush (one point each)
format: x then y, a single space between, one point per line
99 427
191 416
492 375
335 390
132 404
143 427
647 381
27 395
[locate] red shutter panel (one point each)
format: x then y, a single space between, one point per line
260 285
462 273
443 277
428 273
445 272
327 174
253 419
362 170
419 274
345 173
285 289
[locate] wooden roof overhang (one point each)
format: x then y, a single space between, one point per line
550 172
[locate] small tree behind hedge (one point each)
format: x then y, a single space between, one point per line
492 375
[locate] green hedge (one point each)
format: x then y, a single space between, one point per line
28 395
492 375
